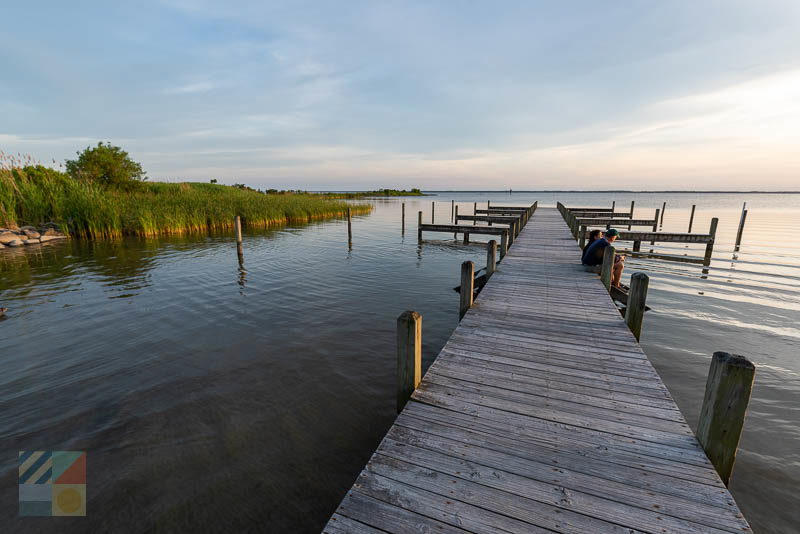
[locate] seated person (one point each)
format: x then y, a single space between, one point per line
593 256
594 235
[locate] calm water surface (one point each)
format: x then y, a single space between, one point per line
214 397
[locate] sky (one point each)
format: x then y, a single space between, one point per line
442 95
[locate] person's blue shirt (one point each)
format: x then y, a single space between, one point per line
593 255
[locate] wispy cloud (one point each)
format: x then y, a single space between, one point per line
190 88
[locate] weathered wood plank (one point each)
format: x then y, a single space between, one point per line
541 413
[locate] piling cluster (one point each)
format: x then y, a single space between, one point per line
30 235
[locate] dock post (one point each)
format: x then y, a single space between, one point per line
631 213
403 219
712 231
452 210
409 356
613 206
655 226
466 238
475 212
491 258
637 246
511 233
467 288
608 266
663 209
582 237
637 296
741 229
433 212
503 244
455 234
488 204
691 218
349 229
237 224
728 388
419 227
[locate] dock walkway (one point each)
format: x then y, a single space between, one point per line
540 414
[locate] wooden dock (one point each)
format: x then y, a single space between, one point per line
540 414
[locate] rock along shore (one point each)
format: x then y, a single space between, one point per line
30 235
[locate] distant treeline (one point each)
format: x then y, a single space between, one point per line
377 193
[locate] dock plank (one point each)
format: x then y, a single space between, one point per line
540 414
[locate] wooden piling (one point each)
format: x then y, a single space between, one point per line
475 212
409 356
491 258
691 218
455 234
237 224
467 288
663 210
608 266
712 231
403 219
503 244
637 296
466 238
582 237
452 210
349 228
613 205
632 204
433 212
655 226
419 226
741 229
728 388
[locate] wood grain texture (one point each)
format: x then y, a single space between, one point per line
540 414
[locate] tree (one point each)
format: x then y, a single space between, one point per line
108 165
213 180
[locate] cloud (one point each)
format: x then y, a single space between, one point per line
190 88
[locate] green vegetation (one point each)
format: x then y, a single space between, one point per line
378 193
107 165
90 207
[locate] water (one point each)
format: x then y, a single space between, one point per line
215 398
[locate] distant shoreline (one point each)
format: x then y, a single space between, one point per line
611 191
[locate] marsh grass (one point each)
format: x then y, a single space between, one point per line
35 194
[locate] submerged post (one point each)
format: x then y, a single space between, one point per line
691 218
419 226
608 266
491 258
403 219
728 388
582 237
467 288
637 296
349 229
712 231
741 229
503 244
409 356
237 224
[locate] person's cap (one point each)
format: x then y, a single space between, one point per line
611 232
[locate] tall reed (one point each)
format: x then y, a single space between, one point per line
37 194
